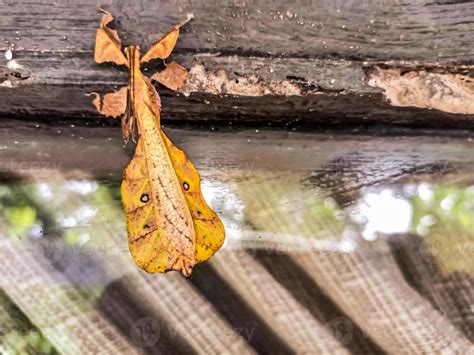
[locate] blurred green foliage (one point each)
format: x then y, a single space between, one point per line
444 217
27 206
17 334
284 206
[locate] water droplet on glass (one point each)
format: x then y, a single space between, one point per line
8 54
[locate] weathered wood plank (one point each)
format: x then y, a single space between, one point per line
319 49
430 31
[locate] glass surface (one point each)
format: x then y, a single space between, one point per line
334 243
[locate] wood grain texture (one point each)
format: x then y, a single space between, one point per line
321 47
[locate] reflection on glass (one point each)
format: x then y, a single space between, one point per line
84 221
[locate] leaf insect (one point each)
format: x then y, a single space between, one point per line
169 224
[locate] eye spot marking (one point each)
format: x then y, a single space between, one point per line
144 198
186 186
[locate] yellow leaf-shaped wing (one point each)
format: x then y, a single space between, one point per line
108 44
162 48
209 230
160 228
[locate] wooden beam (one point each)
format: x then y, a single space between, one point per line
305 63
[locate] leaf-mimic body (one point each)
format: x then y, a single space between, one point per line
170 226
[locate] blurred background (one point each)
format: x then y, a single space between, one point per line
336 243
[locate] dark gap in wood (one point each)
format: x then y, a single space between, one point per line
372 128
